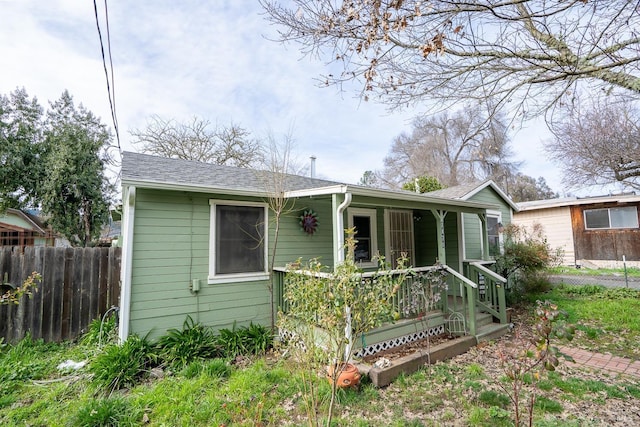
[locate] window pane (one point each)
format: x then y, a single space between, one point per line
400 236
624 217
239 239
597 218
494 236
362 225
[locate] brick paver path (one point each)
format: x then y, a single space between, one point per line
607 362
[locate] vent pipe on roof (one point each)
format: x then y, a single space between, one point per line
313 166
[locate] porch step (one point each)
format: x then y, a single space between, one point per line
483 319
491 331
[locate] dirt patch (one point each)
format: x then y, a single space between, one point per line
424 344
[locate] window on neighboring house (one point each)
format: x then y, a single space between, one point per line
238 247
493 231
364 222
399 238
626 217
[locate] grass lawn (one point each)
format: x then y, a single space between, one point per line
631 271
471 389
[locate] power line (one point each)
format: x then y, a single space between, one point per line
110 85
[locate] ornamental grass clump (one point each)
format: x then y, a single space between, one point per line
177 348
120 366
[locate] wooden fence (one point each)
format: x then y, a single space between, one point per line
78 285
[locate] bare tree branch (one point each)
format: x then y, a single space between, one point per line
598 144
525 54
231 146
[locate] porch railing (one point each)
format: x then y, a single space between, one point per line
491 289
415 297
480 289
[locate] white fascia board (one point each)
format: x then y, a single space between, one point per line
497 189
332 189
417 197
573 201
156 185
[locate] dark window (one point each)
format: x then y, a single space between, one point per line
363 247
239 240
626 217
494 235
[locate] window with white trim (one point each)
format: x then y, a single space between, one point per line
364 222
238 241
493 230
399 236
624 217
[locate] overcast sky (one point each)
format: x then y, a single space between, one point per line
210 59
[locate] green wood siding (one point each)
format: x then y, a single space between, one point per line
472 230
170 249
294 243
472 226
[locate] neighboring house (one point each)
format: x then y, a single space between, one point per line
198 240
20 228
496 219
591 231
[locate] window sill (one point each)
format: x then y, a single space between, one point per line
240 277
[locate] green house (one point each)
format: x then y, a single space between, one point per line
203 240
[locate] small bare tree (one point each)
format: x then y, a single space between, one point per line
231 146
275 176
599 144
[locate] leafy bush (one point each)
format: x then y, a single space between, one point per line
526 257
259 339
194 342
232 342
535 282
123 365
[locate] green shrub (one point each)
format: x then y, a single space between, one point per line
119 366
524 260
195 341
536 282
232 342
259 339
254 339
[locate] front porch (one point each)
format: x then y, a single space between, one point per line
470 305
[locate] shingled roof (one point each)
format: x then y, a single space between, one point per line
466 191
146 170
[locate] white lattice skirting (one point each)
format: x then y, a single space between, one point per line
292 337
397 342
